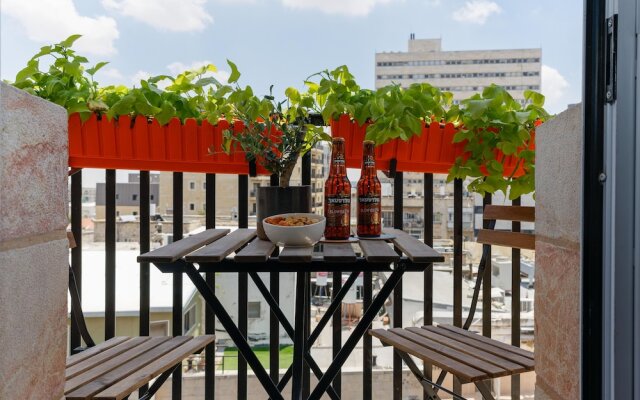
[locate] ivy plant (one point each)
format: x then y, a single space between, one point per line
494 120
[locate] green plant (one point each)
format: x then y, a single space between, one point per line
492 121
275 133
66 82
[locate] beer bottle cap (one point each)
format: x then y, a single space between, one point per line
366 142
337 139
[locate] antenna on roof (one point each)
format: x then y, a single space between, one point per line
412 36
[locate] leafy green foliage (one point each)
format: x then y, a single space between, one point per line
486 122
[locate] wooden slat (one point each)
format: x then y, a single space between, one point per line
492 370
219 249
488 347
257 251
377 251
507 365
89 377
179 248
103 356
338 252
486 340
508 239
296 254
128 385
416 250
510 213
463 371
91 351
103 378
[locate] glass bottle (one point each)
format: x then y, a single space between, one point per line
337 195
369 194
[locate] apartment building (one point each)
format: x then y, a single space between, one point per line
462 73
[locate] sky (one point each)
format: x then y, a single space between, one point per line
282 42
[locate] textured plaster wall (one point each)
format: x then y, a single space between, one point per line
33 246
558 232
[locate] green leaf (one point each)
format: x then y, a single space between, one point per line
167 111
96 68
235 74
68 42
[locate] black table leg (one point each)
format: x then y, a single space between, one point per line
298 341
233 331
357 333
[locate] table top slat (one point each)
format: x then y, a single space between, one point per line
103 356
338 252
87 383
179 248
463 371
141 376
487 341
416 250
257 251
221 248
469 359
296 254
91 351
378 251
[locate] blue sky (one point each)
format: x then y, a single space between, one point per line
281 42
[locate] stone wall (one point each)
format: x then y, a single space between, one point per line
33 246
558 235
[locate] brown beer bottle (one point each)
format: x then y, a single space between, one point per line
337 195
369 194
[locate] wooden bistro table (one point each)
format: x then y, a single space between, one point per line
211 251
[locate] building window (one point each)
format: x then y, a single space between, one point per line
189 319
117 196
134 213
204 185
253 309
151 197
204 206
192 186
134 197
192 206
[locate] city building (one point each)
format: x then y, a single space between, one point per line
127 196
462 73
194 184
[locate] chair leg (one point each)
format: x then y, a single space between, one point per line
429 386
484 390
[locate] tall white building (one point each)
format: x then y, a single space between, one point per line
462 73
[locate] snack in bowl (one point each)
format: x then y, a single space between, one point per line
294 230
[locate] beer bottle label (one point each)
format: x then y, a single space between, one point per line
338 210
369 210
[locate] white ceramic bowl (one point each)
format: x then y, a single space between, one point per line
295 236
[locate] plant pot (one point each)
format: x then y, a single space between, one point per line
143 144
273 200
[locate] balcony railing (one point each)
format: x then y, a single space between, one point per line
273 334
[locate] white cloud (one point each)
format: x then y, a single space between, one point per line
554 87
356 8
109 76
476 11
54 20
177 67
168 15
138 76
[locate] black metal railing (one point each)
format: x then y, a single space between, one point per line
274 329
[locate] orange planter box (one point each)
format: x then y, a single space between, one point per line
433 151
140 144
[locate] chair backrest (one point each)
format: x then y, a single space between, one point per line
519 240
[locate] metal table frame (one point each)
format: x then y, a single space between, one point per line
302 345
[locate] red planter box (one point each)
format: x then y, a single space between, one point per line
140 144
433 151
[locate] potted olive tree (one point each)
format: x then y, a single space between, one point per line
274 135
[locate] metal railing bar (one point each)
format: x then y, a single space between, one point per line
398 211
457 260
515 302
428 273
178 196
243 284
76 252
210 279
145 289
110 256
486 281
